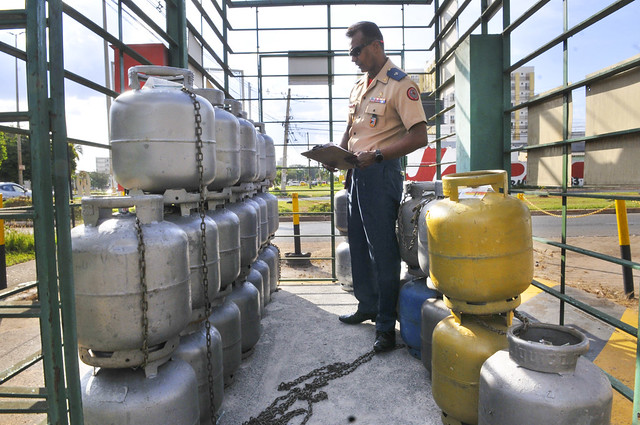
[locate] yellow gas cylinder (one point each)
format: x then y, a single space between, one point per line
480 246
461 344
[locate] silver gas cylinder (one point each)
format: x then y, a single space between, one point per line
153 133
416 195
261 150
276 254
128 397
543 378
228 225
254 277
423 243
271 155
343 266
191 224
432 312
107 253
271 256
340 210
248 143
263 268
225 317
249 230
264 218
227 141
272 211
193 350
247 298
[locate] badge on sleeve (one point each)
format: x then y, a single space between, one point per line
413 94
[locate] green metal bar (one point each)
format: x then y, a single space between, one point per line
610 320
173 42
23 392
177 30
214 28
225 35
595 196
452 21
18 313
506 88
62 174
331 180
13 19
617 385
22 365
17 289
590 139
14 116
272 3
37 96
508 28
437 104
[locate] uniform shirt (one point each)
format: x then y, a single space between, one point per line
383 111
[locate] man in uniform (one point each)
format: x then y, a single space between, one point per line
386 121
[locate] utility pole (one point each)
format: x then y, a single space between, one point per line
18 136
283 174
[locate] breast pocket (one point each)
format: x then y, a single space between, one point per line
375 114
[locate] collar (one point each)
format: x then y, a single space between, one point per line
382 75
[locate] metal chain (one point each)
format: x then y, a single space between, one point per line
203 245
560 215
521 317
278 412
525 323
417 209
142 267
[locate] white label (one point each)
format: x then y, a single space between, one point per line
474 192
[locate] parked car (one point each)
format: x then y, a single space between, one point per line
13 190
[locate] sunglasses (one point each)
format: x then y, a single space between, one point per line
355 52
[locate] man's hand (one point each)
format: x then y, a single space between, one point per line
364 159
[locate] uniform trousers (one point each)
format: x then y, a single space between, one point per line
374 196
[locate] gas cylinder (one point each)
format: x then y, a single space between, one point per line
410 299
343 266
191 225
271 156
108 289
193 350
423 243
228 225
227 130
255 278
248 143
264 218
543 378
274 266
261 150
480 245
247 298
270 257
433 311
263 268
461 343
225 317
340 211
416 196
127 397
153 133
249 230
272 211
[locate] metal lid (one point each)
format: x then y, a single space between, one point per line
234 105
214 96
545 347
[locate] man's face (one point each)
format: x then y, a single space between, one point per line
365 59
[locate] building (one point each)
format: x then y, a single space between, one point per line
103 165
522 87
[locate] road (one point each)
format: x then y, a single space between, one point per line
543 226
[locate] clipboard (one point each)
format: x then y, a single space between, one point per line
331 155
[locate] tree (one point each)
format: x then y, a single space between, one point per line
9 161
99 180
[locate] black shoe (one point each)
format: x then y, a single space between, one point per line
357 317
385 341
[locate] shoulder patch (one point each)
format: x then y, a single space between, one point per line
413 94
396 74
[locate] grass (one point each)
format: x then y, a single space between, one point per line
19 246
554 203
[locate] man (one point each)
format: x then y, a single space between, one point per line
386 121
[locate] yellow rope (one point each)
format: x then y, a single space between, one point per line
524 198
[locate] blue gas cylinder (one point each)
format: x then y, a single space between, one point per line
412 295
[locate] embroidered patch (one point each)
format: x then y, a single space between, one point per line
373 121
413 94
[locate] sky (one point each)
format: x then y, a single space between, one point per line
608 42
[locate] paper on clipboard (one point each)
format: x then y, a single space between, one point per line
332 155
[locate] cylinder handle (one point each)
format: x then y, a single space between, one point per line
142 72
496 178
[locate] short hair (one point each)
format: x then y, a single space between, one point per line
369 30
